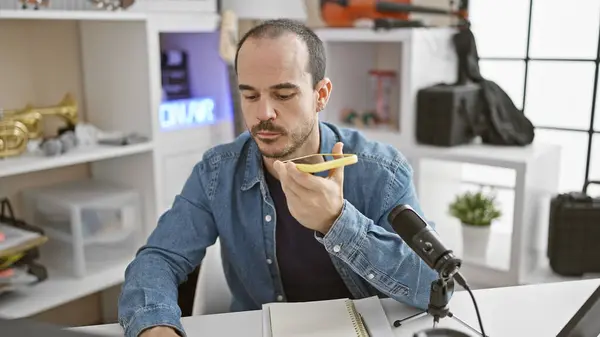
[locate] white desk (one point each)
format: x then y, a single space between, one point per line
532 310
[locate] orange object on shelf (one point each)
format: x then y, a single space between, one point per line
334 14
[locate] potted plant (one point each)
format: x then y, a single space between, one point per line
476 212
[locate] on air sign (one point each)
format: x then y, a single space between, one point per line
186 113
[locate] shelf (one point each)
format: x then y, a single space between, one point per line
513 157
58 290
45 14
544 274
30 163
363 35
500 156
190 22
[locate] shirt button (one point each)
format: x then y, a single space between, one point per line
268 218
279 298
337 248
269 261
371 276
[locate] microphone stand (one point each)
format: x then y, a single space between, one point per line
439 297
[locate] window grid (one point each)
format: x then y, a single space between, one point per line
590 131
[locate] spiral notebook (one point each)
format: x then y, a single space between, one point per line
333 318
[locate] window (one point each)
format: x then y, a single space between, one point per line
556 90
594 190
595 159
573 156
597 114
494 37
564 29
509 75
545 54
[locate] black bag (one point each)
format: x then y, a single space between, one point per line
446 114
503 123
574 233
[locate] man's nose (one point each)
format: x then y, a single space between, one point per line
265 110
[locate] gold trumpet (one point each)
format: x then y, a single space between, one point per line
17 127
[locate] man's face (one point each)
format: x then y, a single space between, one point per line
279 102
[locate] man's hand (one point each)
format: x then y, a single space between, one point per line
159 331
314 201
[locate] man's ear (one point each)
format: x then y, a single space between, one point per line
323 92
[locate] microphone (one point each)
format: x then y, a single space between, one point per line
423 239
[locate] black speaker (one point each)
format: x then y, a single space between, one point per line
447 114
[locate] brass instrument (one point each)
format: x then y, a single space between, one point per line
13 138
17 127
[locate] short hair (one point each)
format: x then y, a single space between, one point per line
276 28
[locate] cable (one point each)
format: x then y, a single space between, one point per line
458 277
468 289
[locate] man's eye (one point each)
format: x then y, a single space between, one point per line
250 97
284 97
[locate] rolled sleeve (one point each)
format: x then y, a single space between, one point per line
148 317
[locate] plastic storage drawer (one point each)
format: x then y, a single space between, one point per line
91 225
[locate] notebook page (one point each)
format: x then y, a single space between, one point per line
375 317
309 319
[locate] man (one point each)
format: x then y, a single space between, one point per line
286 235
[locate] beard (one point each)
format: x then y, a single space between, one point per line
295 138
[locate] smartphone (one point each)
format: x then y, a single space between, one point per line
322 162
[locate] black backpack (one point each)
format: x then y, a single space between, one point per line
501 122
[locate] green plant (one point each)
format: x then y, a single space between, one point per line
475 208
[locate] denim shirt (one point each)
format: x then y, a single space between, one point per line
226 197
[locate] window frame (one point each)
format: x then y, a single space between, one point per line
590 130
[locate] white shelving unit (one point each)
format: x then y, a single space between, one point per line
58 290
63 15
421 58
111 63
27 163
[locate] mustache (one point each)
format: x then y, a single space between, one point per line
267 126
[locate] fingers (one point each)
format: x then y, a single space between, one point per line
337 149
299 181
337 174
283 179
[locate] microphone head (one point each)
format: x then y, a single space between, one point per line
406 222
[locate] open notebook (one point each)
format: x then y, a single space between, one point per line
334 318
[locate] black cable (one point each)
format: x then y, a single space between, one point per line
468 289
458 277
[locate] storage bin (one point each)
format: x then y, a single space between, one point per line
91 225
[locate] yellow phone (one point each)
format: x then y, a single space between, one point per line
316 163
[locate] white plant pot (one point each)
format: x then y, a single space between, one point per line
475 240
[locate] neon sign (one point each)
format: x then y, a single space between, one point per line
186 113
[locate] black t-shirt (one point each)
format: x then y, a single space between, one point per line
307 271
